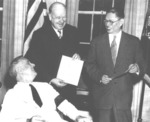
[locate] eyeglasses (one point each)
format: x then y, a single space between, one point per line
110 21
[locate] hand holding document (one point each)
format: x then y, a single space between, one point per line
58 82
70 70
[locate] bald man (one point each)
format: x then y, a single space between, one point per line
49 43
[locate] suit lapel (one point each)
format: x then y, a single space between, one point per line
107 51
122 50
50 29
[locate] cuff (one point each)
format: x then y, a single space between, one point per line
68 109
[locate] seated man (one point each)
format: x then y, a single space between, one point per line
19 104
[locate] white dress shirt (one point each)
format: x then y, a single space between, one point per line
58 34
18 104
118 38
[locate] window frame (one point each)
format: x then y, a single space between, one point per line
1 10
92 13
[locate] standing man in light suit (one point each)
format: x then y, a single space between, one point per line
20 105
114 70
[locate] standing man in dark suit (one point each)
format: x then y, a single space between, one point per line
49 43
112 95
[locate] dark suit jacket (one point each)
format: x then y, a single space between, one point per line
145 42
119 91
46 50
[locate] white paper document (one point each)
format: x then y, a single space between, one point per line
70 70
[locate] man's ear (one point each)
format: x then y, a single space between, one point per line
50 17
121 22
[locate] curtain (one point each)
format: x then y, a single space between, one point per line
20 18
135 12
7 39
72 12
12 37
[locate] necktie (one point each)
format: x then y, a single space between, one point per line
114 50
36 96
59 34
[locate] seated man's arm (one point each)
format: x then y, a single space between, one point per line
69 109
73 113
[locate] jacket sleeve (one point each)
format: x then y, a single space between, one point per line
140 60
91 65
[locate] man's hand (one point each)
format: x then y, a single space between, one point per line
133 68
76 56
147 78
105 79
37 119
58 82
84 117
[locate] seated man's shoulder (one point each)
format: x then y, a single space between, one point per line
44 87
40 84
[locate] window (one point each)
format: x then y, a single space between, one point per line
91 17
1 18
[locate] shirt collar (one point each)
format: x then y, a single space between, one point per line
56 30
117 35
118 38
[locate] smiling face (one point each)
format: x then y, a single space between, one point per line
113 23
58 16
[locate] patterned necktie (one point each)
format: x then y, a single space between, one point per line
35 95
59 34
114 50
